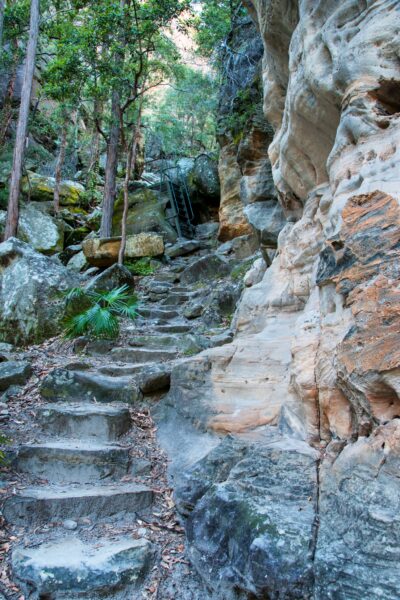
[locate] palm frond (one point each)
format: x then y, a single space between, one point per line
74 294
100 317
102 322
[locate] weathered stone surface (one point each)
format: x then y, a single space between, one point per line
31 293
113 277
14 373
103 252
38 229
39 187
240 536
359 527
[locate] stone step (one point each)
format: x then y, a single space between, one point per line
38 505
73 461
85 421
165 277
115 370
175 299
69 385
140 355
158 313
72 568
155 340
178 328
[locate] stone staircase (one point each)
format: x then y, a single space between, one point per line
84 469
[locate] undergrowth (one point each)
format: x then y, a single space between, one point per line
142 267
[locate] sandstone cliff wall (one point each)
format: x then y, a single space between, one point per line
303 501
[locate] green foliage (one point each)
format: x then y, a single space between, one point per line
245 106
214 23
184 119
100 318
3 442
141 266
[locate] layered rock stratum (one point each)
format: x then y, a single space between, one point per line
298 419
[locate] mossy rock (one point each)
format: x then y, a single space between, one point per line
146 214
41 188
38 229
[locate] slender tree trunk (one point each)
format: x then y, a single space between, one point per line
59 165
95 145
111 167
112 149
22 125
2 8
130 168
6 113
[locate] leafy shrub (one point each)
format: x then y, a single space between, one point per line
102 312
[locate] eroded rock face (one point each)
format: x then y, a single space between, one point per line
315 356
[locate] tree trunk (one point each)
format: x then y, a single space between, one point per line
22 126
95 145
112 149
59 165
6 114
111 167
130 168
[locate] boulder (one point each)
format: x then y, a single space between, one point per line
144 244
255 274
103 252
14 373
146 214
204 176
252 512
206 231
38 187
113 277
205 268
40 230
31 293
78 262
267 219
182 247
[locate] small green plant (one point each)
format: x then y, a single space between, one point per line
100 318
3 442
240 271
142 267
